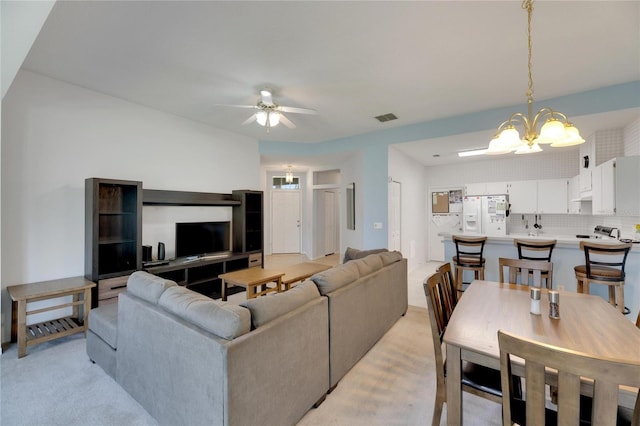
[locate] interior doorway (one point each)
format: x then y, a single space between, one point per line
285 221
395 220
330 223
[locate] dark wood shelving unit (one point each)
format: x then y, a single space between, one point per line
248 222
113 236
113 230
159 197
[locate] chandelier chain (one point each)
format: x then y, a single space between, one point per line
528 6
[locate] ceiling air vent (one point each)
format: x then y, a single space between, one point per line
386 117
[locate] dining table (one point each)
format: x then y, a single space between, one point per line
586 323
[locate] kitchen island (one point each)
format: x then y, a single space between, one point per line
566 255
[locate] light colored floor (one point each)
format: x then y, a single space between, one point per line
393 384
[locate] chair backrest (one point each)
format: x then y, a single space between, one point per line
535 249
434 291
602 256
524 269
469 250
449 284
607 375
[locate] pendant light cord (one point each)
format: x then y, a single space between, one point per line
528 6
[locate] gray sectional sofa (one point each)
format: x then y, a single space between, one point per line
188 359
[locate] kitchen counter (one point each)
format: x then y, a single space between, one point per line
565 257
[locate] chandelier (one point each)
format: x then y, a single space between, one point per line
288 177
556 131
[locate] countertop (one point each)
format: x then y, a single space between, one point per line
568 241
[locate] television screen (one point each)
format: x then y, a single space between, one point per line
198 238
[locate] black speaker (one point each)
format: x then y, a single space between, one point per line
160 251
146 253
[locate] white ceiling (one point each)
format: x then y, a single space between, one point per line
350 61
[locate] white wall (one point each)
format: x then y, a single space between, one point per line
538 166
413 237
54 135
21 23
351 171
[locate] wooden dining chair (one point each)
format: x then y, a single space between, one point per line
469 257
526 272
604 264
607 376
536 250
476 379
449 283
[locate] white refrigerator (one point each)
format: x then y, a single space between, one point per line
485 215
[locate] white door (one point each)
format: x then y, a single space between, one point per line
330 222
394 242
285 221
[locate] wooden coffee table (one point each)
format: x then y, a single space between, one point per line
251 279
301 272
32 334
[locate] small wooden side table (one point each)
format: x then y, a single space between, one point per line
250 279
32 334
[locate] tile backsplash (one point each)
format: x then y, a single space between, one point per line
568 224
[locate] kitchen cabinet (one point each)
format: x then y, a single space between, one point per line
627 185
604 189
547 196
486 188
522 196
616 188
552 196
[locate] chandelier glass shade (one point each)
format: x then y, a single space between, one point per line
288 177
556 131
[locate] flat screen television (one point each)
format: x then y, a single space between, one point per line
199 238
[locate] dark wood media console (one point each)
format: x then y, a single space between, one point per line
201 274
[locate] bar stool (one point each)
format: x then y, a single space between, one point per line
468 258
536 250
604 264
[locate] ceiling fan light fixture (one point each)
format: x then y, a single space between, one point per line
274 118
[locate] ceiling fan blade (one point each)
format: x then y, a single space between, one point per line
284 120
295 110
239 106
249 120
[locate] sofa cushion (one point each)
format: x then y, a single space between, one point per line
351 253
369 264
148 286
265 309
390 257
220 318
103 321
336 277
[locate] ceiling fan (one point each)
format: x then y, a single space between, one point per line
270 114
